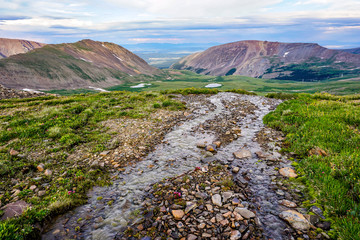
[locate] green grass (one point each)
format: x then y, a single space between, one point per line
52 128
175 79
331 123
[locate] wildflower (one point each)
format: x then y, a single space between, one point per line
177 195
197 168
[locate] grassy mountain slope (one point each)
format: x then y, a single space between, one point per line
81 64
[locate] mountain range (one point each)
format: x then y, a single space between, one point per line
72 65
88 63
263 59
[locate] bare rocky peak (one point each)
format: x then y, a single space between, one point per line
253 58
9 47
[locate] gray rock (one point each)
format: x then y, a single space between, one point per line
216 200
296 220
14 209
227 195
317 211
235 235
245 212
243 153
190 206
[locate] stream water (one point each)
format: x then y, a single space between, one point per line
176 155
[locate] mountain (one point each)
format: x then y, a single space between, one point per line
72 65
262 59
352 50
9 47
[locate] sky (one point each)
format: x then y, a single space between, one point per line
331 23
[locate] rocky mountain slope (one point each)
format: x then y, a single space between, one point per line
9 47
297 61
352 50
72 65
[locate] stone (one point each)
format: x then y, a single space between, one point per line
317 151
40 167
219 217
14 209
235 235
288 203
236 130
103 154
243 153
13 152
206 235
41 193
238 217
192 237
209 207
201 144
317 211
288 172
48 172
190 206
235 169
245 212
226 196
32 187
235 201
324 225
210 148
217 144
313 219
227 215
178 214
296 220
201 225
224 222
216 200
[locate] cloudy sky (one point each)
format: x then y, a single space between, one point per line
331 23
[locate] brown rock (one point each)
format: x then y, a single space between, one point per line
48 172
40 167
317 151
217 144
13 152
296 220
178 214
288 203
288 172
210 148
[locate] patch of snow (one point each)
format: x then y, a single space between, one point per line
85 60
98 89
213 85
285 54
118 57
31 90
141 85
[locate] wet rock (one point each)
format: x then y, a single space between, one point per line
243 153
14 209
317 211
288 172
296 220
216 200
324 225
217 144
40 167
201 144
235 169
288 203
235 235
313 219
245 212
210 148
178 214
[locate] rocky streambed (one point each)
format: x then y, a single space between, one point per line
218 175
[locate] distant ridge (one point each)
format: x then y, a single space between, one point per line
72 65
352 50
297 61
9 47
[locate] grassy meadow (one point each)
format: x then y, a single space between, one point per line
46 130
330 123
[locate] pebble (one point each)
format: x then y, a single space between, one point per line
48 172
245 212
40 167
235 235
288 203
235 169
178 214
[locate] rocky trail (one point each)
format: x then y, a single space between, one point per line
217 175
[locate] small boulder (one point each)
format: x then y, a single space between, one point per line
243 153
14 209
317 151
210 148
288 172
217 144
13 152
296 220
190 206
235 169
235 235
48 172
